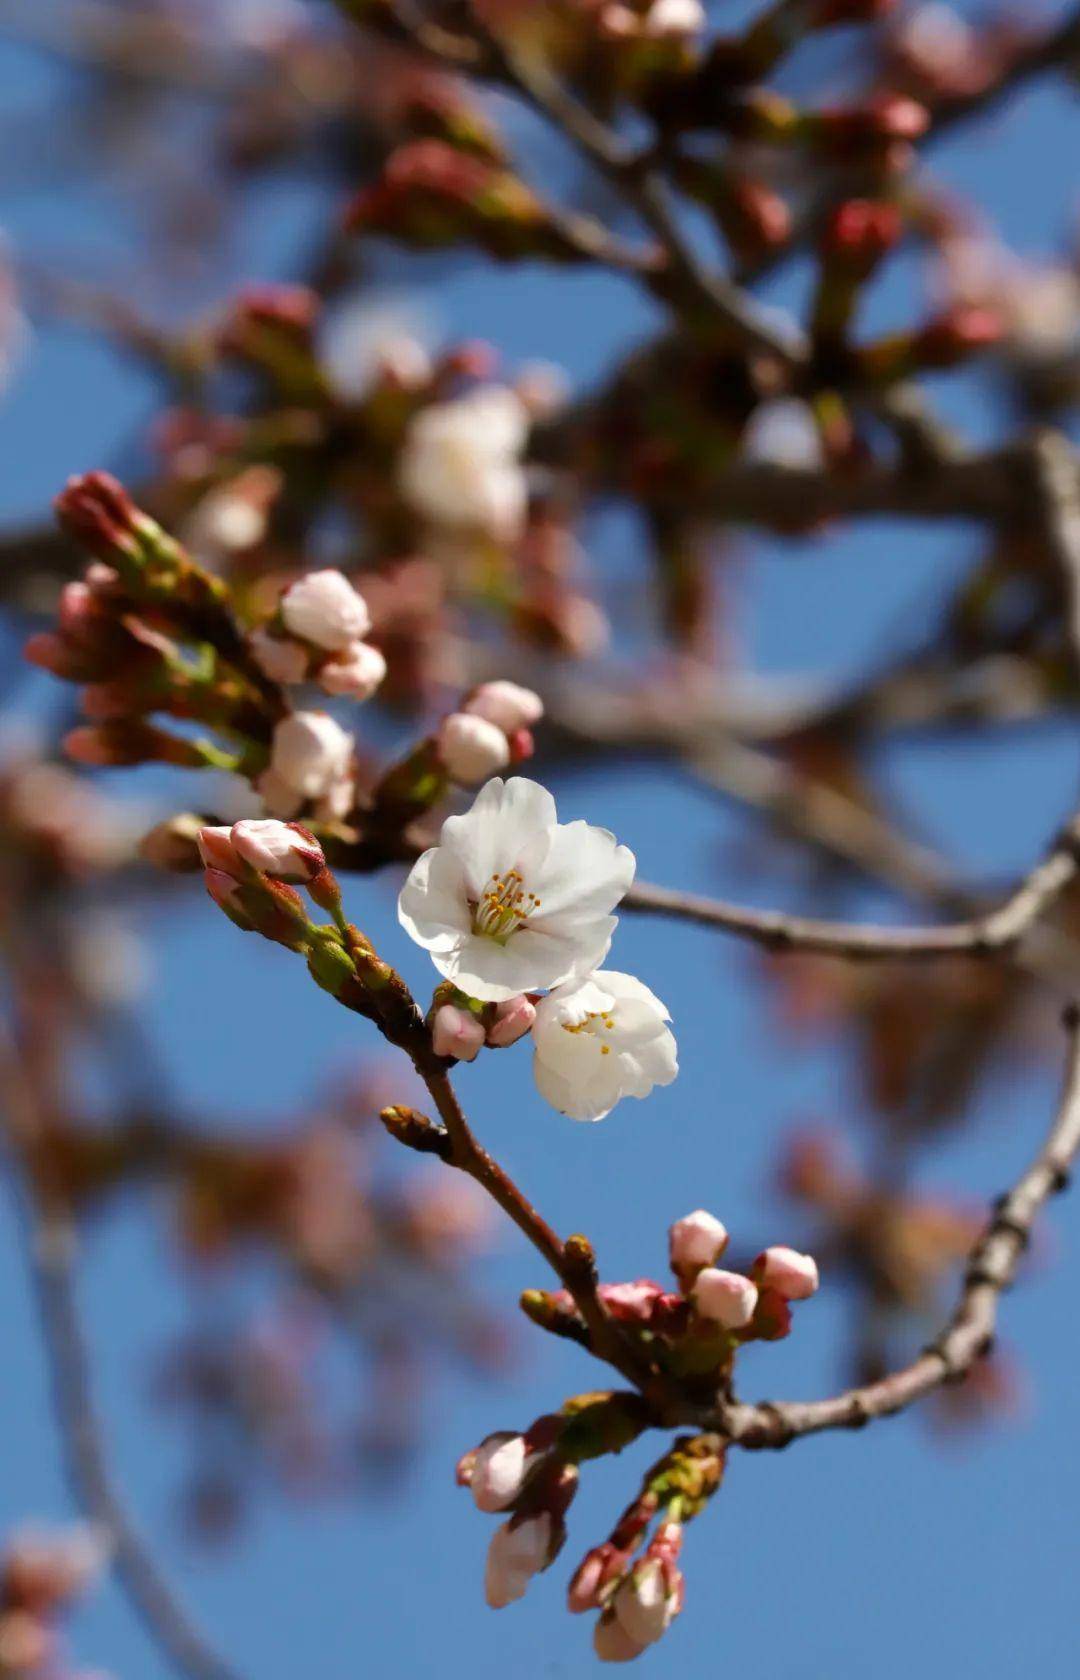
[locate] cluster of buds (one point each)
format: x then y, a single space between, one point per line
435 194
147 630
42 1572
696 1330
248 869
317 634
461 1026
635 1580
491 730
531 1478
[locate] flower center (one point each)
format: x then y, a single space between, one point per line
504 906
594 1025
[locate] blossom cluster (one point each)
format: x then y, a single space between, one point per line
512 903
530 1478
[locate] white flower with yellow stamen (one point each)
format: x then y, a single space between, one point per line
511 900
598 1040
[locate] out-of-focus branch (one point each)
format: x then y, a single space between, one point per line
994 934
52 1245
968 1335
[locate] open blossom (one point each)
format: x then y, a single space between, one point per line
518 1551
356 673
324 608
598 1040
511 900
497 1472
727 1297
792 1275
461 462
311 758
506 705
471 748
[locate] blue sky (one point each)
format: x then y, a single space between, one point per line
869 1554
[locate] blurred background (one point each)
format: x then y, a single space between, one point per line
295 1329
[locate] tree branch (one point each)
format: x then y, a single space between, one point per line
968 1335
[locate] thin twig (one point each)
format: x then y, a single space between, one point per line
968 1335
993 934
52 1246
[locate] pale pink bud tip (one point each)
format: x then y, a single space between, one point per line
356 673
612 1643
216 850
698 1239
471 748
497 1471
324 608
506 705
791 1274
727 1297
455 1032
518 1551
648 1601
283 849
510 1021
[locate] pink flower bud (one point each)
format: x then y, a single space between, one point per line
698 1239
648 1601
356 674
518 1551
471 749
225 891
216 850
324 608
727 1297
279 657
506 705
455 1032
612 1643
792 1275
286 850
497 1472
632 1303
510 1021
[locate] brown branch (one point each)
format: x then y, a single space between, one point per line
996 933
52 1246
968 1335
571 1261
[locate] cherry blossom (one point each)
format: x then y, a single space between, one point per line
511 900
598 1040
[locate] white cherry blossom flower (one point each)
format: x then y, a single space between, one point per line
598 1040
461 464
511 900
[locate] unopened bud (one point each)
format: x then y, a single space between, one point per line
506 705
792 1275
324 608
455 1032
726 1297
518 1551
471 749
696 1240
286 850
355 674
496 1471
510 1021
